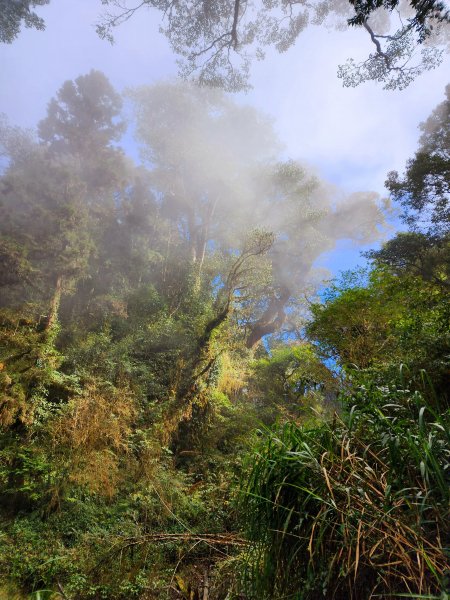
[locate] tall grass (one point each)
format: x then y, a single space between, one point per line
352 509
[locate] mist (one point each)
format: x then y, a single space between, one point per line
212 173
192 406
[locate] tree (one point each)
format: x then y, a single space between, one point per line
288 380
57 201
353 326
13 12
83 116
46 215
45 247
57 189
393 62
217 40
410 273
424 189
83 120
415 253
215 171
424 194
397 317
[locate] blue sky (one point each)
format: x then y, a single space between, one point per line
351 137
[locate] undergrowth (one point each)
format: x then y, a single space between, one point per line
356 508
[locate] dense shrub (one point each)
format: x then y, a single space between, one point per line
355 508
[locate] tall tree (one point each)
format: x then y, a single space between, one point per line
215 171
424 189
424 194
55 191
46 215
84 120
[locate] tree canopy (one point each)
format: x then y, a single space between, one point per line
214 166
217 41
424 189
15 12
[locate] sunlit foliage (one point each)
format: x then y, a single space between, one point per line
172 377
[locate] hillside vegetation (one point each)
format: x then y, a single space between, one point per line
186 410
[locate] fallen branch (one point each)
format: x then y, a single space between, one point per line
211 539
225 539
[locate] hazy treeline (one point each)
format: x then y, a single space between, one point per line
156 317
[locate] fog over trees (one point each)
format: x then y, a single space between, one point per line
191 406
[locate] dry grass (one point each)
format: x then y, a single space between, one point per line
91 436
355 509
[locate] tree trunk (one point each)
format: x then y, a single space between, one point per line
271 320
54 305
205 585
203 238
197 364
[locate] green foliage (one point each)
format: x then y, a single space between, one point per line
133 380
358 507
84 121
424 189
289 381
395 319
351 508
32 386
26 473
14 13
417 254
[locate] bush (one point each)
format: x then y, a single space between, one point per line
355 508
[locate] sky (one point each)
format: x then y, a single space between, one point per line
350 136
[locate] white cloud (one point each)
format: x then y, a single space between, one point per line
353 135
